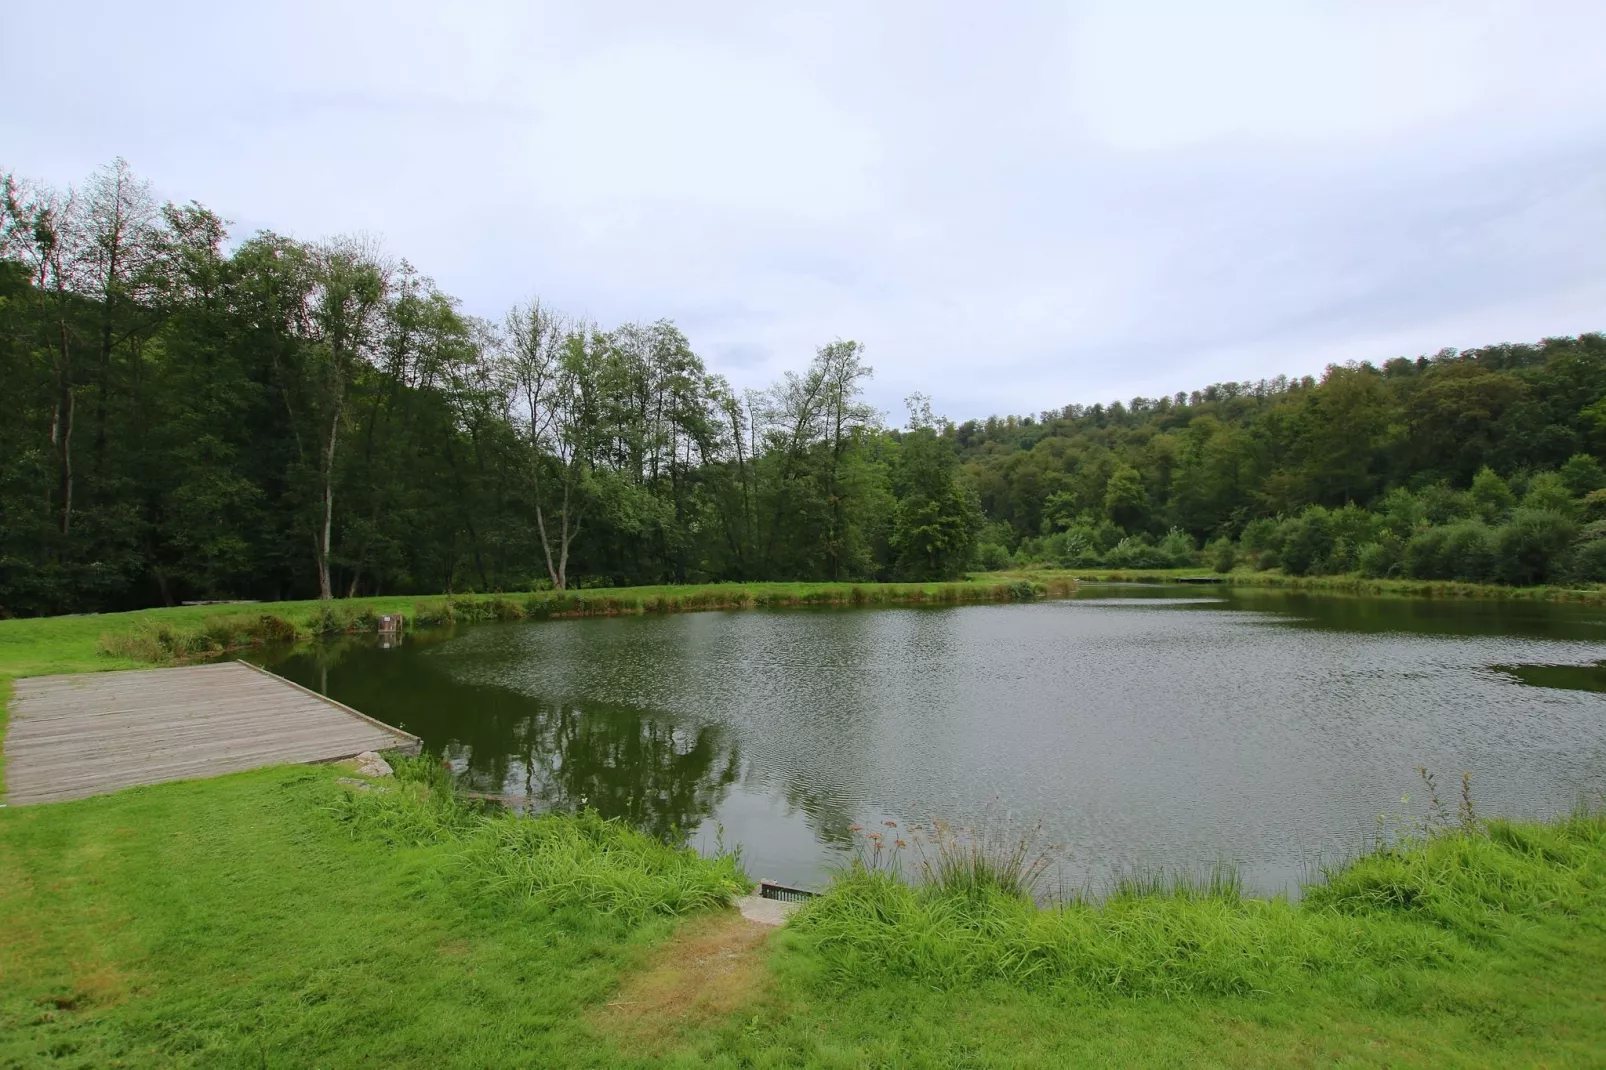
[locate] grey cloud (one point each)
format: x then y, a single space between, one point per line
1014 209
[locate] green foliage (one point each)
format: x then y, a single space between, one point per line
1461 551
553 862
1126 503
1531 545
1549 492
1585 563
1582 475
274 419
1384 557
1426 901
1222 555
937 518
1491 497
1307 542
138 926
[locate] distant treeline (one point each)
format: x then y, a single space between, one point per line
185 418
1481 465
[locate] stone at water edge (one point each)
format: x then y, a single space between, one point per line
765 911
371 764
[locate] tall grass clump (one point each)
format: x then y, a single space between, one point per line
550 862
1426 897
160 640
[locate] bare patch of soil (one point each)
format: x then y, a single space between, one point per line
712 967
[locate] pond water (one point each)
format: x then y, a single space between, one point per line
1134 726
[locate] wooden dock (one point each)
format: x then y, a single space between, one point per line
92 733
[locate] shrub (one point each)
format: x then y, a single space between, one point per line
271 628
1381 558
1263 535
1401 513
1442 505
1135 551
1222 554
1460 551
1532 544
1491 497
1307 542
991 557
1468 551
1582 474
1548 492
1584 563
1177 548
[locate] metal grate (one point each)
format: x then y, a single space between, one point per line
771 890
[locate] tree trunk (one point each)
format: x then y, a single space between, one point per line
325 590
61 435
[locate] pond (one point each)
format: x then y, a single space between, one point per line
1130 726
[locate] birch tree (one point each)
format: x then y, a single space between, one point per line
550 374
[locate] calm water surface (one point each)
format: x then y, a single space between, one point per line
1139 726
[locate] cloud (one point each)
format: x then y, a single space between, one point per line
1014 209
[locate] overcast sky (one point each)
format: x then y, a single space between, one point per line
1014 206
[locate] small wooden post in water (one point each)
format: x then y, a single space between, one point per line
391 626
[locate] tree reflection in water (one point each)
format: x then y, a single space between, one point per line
662 777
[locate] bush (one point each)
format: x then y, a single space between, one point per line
1222 555
1401 513
1263 535
1491 497
1307 542
1532 544
1135 551
1548 492
1177 547
1584 563
1460 551
1582 474
1381 558
990 557
1594 505
1442 505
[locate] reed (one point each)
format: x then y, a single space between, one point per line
1426 895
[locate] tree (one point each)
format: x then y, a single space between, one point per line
845 417
938 518
1126 504
350 287
551 370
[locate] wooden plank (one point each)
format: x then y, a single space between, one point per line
74 736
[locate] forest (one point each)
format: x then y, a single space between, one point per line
188 415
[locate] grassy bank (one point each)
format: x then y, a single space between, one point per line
39 645
1344 584
277 918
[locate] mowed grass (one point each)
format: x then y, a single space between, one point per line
274 919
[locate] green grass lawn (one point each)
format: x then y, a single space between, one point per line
241 922
34 646
275 918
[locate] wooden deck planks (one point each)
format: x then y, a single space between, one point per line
75 736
